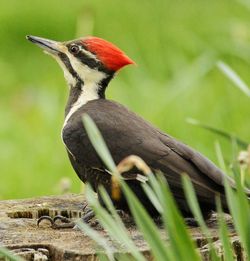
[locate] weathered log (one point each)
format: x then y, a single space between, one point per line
19 231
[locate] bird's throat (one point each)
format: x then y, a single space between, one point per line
83 91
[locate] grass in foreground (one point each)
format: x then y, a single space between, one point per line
180 245
176 77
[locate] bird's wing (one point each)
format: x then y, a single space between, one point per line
202 163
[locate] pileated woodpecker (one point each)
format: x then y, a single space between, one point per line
89 64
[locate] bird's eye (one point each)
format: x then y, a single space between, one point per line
74 49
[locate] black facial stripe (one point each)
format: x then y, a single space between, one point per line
74 94
64 58
85 59
89 61
103 84
92 63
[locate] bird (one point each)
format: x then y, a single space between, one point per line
89 64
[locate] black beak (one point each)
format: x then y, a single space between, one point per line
50 46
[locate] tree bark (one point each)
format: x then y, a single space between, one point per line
19 231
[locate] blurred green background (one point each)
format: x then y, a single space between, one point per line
175 44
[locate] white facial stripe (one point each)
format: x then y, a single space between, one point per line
87 74
90 77
67 75
89 54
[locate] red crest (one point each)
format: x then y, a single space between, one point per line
110 55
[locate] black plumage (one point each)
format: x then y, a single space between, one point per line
126 133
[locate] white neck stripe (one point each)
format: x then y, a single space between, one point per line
89 92
90 79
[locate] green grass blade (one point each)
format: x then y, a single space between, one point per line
234 166
122 235
103 257
106 220
99 239
234 77
194 206
124 257
220 157
183 245
112 224
146 225
239 206
152 197
4 252
227 135
107 201
98 143
223 232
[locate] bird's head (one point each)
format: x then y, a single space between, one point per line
89 61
